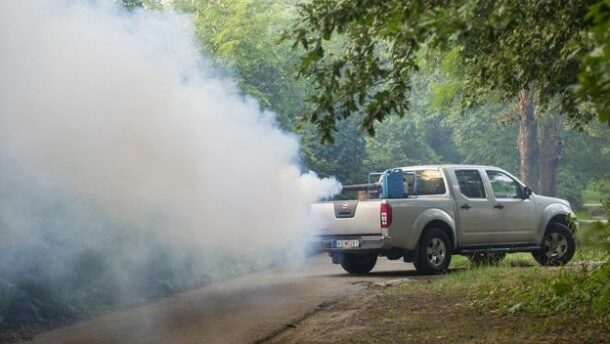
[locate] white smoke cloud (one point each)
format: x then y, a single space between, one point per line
114 127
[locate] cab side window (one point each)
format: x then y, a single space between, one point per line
504 186
471 184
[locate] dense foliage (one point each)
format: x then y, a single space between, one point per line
594 77
580 291
245 37
507 45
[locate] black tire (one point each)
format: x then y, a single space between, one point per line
359 264
434 254
486 258
558 246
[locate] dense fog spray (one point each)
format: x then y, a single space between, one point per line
125 159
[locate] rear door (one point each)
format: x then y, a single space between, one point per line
475 208
515 217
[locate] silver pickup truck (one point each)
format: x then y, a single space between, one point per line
482 212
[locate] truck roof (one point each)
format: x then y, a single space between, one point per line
439 166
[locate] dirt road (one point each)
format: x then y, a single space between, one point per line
250 309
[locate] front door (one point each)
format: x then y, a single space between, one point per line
515 217
475 209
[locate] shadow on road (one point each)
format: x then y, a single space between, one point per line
391 273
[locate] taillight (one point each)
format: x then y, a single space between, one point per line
385 214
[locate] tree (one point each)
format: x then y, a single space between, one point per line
342 159
540 139
424 137
505 42
529 50
399 142
551 146
131 4
242 37
594 77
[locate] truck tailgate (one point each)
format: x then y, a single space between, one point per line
347 217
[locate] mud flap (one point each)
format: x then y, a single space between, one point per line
337 258
409 256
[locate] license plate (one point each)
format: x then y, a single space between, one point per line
347 243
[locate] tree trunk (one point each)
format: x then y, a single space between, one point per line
551 149
528 138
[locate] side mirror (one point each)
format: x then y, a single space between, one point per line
527 192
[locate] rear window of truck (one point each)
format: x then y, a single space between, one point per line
429 182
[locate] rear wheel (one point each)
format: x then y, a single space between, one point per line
434 252
486 258
557 246
359 263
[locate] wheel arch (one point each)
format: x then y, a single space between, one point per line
555 213
433 218
442 225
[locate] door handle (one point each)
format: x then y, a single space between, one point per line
465 206
498 206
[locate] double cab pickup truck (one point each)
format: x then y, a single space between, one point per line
426 214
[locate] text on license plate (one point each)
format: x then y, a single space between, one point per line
347 243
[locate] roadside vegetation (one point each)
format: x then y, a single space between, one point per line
516 301
503 304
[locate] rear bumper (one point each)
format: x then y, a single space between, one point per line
368 243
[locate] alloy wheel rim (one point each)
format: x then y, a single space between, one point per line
556 246
436 252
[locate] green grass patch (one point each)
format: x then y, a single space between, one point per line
504 303
592 241
520 285
517 285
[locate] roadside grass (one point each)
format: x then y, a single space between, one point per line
497 304
517 300
500 304
592 241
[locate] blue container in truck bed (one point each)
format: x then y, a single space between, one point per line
393 184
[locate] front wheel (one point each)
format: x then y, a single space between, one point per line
434 252
557 246
359 264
